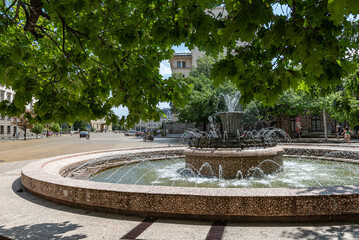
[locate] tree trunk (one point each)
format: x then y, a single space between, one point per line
325 125
25 133
204 127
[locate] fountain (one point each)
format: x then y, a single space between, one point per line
235 151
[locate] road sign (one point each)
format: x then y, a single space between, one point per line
297 119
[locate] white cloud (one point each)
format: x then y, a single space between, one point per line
165 68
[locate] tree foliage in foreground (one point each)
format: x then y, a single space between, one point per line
80 58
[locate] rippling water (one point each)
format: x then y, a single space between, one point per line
296 173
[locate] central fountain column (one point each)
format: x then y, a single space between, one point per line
225 161
231 122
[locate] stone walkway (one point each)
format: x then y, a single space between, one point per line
25 216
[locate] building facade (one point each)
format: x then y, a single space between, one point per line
152 125
181 63
7 128
101 126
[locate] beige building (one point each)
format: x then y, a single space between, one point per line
101 126
181 63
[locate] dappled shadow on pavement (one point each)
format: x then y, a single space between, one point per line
42 231
338 232
16 185
346 189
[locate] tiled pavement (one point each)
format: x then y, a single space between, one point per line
24 216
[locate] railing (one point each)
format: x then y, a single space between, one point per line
183 54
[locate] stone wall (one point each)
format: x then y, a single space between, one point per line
178 128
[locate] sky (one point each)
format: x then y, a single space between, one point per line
165 71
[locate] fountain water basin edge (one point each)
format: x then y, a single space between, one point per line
44 178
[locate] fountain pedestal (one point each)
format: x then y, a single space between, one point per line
231 122
230 163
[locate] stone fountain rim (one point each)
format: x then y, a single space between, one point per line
48 170
43 179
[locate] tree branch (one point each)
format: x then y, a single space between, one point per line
32 16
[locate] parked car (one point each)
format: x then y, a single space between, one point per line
130 133
139 134
84 134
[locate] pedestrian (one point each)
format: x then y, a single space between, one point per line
338 131
347 133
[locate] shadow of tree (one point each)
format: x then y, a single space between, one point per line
346 189
324 232
42 231
16 185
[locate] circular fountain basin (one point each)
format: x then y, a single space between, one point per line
229 163
45 178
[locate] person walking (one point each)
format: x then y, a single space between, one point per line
347 133
338 131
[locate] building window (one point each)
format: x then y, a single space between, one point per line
316 124
2 96
1 129
8 129
184 64
178 64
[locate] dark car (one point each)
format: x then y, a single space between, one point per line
130 133
84 134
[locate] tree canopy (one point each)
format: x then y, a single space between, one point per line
344 104
37 129
79 59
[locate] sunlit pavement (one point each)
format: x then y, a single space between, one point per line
25 216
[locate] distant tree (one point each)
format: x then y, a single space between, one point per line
37 129
80 125
203 99
55 127
344 104
253 112
23 122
